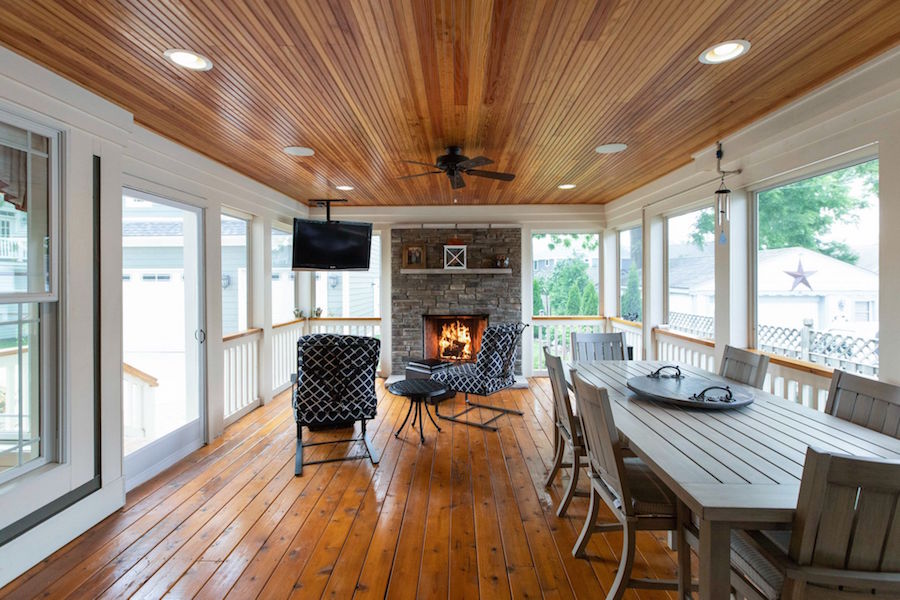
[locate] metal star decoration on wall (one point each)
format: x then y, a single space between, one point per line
800 276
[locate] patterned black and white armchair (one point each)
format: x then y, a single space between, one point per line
492 371
334 386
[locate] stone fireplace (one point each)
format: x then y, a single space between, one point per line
454 338
452 296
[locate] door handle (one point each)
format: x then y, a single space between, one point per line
200 335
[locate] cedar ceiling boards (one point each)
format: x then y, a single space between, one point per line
534 85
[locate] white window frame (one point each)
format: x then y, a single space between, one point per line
248 218
48 306
827 165
619 232
289 229
695 207
346 274
53 210
566 231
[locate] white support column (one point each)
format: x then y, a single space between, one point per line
653 281
889 250
732 275
385 291
215 379
111 441
527 302
609 268
261 289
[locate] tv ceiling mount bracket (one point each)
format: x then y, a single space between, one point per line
327 202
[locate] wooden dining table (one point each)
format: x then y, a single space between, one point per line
735 469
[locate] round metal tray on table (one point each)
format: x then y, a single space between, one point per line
686 390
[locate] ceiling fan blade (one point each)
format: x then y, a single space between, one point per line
491 174
419 174
478 161
416 162
456 181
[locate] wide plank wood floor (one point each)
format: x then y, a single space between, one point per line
465 515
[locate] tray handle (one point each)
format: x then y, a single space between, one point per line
658 373
701 395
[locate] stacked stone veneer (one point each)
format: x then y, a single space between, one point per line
497 295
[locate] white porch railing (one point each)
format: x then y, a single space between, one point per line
241 362
794 380
284 352
634 334
367 327
556 332
681 348
798 381
284 341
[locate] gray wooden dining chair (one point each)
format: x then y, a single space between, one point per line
867 402
598 346
567 435
638 499
845 541
744 366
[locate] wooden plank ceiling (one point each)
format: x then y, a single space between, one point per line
534 85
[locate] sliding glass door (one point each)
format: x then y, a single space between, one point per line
163 333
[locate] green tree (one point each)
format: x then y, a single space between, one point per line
537 301
802 213
590 302
567 274
631 303
586 241
573 304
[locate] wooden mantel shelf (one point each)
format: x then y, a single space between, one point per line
492 271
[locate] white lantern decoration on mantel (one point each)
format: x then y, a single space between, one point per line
454 257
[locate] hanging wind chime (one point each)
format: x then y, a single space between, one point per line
723 197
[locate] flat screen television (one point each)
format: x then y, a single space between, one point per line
331 245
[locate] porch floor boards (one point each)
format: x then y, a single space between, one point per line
464 515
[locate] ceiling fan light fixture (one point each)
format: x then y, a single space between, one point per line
188 59
724 52
344 188
566 186
610 148
299 151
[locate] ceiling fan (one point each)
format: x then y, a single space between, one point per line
455 165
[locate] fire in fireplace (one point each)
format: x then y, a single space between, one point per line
453 337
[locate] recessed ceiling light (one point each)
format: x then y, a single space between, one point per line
566 186
610 148
299 151
724 52
189 60
344 188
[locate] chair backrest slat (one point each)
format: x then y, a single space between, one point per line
604 449
744 366
867 402
598 346
876 511
890 559
848 514
564 414
891 425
